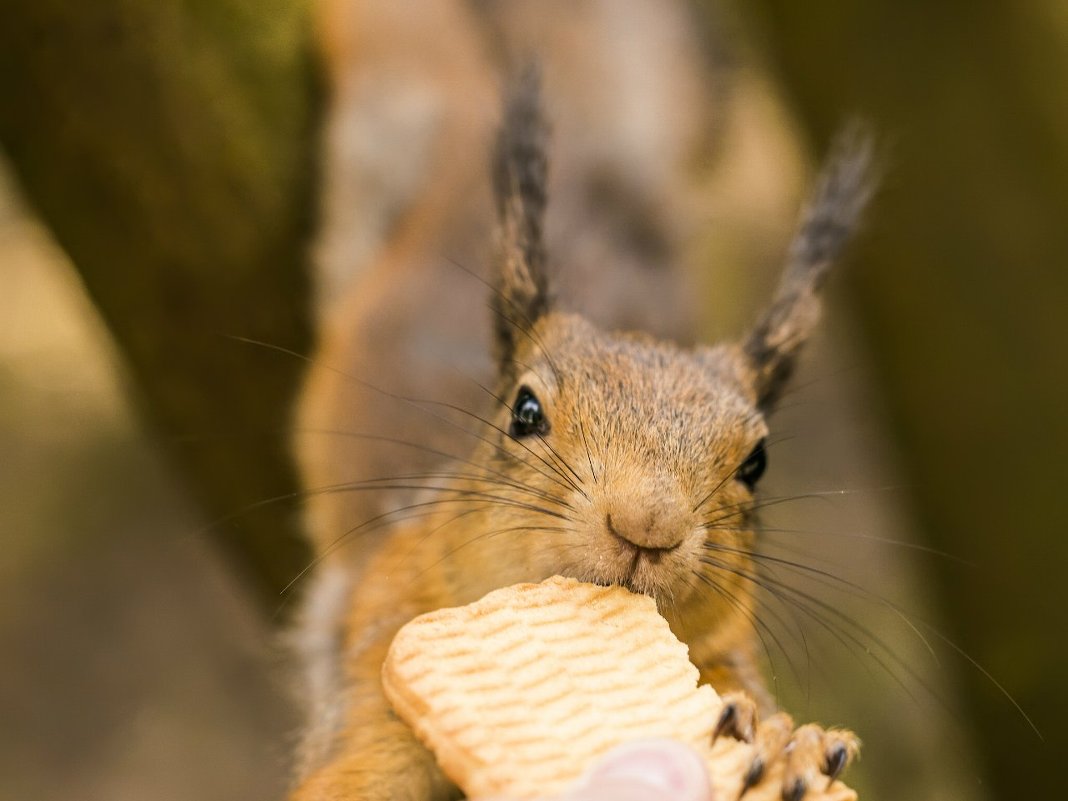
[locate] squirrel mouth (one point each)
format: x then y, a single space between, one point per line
643 557
637 576
629 583
641 569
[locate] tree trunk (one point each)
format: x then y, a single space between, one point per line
170 149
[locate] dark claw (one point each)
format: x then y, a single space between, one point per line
753 777
736 720
727 721
835 762
796 791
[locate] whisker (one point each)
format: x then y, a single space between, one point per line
527 330
915 546
838 582
804 603
452 520
485 535
475 478
377 521
586 444
418 404
756 622
530 333
751 505
562 461
771 441
444 455
463 497
559 460
987 675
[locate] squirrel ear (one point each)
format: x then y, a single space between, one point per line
520 166
828 222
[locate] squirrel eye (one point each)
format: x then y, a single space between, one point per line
753 467
527 415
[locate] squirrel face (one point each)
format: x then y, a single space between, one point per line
640 444
620 458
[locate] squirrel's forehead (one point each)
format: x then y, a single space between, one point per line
669 429
657 375
679 395
614 376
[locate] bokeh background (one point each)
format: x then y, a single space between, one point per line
157 201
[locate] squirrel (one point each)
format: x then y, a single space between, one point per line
603 445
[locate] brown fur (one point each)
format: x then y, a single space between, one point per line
634 480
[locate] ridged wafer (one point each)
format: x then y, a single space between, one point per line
521 692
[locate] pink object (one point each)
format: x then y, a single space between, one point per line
650 770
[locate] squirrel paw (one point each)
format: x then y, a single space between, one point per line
813 752
772 737
738 718
805 758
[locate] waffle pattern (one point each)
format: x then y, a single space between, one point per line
520 692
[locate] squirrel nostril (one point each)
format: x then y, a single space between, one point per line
652 537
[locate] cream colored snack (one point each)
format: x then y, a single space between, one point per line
521 692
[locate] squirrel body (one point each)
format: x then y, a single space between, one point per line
437 473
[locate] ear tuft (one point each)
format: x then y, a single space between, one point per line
828 222
520 169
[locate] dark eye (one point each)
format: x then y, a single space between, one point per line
527 415
753 467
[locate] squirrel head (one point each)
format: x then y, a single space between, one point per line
631 460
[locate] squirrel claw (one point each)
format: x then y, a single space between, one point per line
841 748
813 750
771 738
795 790
754 775
738 718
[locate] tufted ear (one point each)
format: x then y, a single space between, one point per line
827 224
520 169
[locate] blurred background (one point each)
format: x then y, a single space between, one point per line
158 193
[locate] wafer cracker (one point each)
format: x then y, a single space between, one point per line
521 692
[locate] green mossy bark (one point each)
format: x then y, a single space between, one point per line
170 148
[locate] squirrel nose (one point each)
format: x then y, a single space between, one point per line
656 523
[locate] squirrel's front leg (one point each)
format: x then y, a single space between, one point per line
735 672
375 757
379 761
